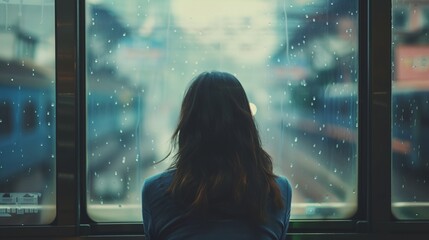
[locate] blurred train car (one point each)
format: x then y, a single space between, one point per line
27 128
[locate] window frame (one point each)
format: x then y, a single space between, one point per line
374 217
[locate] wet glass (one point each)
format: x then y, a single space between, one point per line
410 109
297 60
27 112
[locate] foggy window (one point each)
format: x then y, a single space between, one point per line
27 84
410 111
297 60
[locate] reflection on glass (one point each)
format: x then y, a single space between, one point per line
410 109
27 112
297 61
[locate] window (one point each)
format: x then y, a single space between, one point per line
27 143
298 61
410 111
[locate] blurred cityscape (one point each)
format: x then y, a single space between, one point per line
297 60
154 49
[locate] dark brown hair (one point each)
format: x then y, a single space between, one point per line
219 160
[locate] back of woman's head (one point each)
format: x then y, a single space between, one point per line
219 157
216 118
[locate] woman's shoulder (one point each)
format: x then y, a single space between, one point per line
284 184
282 180
159 179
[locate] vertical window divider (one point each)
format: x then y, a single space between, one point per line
81 103
85 223
379 68
66 82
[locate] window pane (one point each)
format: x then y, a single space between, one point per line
410 109
296 59
27 112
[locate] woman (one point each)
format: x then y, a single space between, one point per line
221 183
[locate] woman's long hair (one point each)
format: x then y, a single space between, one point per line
219 160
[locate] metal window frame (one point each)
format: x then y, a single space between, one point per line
374 218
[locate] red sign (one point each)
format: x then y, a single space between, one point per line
412 63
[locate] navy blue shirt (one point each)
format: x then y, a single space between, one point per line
164 219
